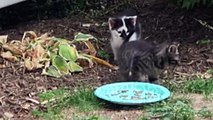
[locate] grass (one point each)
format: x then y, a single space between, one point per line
84 100
81 99
172 109
53 94
196 85
174 86
205 113
175 108
93 117
200 86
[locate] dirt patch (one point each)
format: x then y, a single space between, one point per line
127 114
160 22
200 101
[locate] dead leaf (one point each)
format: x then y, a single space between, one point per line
207 76
91 49
32 35
50 42
36 63
28 64
47 63
19 45
31 64
9 56
12 49
44 37
39 52
8 115
101 61
3 39
26 106
35 56
84 61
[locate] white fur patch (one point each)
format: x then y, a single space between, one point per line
133 37
116 41
130 73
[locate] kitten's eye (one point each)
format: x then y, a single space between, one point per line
119 32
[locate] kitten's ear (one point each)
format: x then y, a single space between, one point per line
134 20
173 48
111 22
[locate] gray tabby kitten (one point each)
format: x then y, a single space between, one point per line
121 25
141 61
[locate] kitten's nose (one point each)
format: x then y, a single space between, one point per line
123 34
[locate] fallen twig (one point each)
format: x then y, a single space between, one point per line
184 74
209 61
204 23
32 100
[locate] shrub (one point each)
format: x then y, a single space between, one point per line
189 4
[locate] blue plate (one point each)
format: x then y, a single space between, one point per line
132 93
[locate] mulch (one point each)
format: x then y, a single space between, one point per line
160 22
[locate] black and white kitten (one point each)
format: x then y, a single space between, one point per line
141 61
121 25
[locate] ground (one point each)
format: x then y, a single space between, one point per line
160 22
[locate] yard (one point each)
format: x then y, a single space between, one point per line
25 94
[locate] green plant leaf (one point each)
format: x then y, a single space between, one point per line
59 39
74 67
60 64
103 54
51 71
83 37
51 54
68 52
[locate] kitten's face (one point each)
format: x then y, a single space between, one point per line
173 53
121 27
167 53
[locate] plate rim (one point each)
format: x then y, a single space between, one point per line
168 93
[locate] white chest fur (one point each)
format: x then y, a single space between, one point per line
116 40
